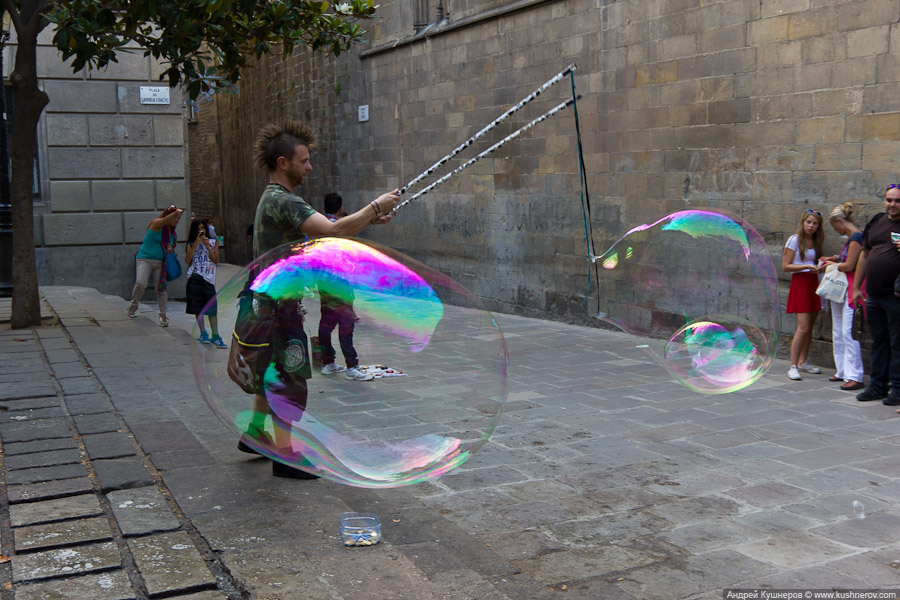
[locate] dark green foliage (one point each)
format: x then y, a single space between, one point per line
203 43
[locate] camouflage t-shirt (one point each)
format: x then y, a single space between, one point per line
278 218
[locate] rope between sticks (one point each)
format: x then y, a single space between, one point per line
556 78
472 161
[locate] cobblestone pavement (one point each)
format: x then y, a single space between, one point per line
604 480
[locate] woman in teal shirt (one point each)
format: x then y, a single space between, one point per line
158 240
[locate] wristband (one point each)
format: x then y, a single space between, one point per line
377 208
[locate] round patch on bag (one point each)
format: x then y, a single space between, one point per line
294 355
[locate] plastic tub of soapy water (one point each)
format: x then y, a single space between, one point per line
360 529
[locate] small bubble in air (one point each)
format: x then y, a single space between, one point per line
859 509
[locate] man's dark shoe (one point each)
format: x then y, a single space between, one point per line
243 446
892 400
870 394
254 438
282 470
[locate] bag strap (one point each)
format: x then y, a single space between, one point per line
245 344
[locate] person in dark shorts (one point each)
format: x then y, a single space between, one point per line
202 256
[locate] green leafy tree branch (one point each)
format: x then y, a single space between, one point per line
202 44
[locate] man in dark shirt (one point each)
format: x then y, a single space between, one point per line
879 265
282 217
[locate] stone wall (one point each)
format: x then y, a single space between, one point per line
763 108
108 165
204 168
302 87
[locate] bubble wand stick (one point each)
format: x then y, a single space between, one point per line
471 161
491 125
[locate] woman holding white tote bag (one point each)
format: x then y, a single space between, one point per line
847 352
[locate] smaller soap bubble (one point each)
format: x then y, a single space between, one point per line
703 283
859 509
437 356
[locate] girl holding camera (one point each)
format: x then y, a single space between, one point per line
202 256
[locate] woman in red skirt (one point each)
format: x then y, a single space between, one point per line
800 258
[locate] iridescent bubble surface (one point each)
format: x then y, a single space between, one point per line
442 354
704 284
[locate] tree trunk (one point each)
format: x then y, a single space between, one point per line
28 104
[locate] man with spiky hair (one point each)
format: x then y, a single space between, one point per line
282 217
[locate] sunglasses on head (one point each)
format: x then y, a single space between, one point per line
893 186
813 212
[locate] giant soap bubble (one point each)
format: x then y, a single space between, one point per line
439 355
704 282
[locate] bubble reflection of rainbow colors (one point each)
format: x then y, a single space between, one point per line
388 432
394 296
704 281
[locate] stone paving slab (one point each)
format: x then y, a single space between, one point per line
14 449
207 595
795 550
30 513
42 474
122 473
162 436
875 529
84 404
689 577
32 403
169 561
109 445
276 572
142 510
32 414
112 585
78 385
17 431
23 377
62 355
170 461
810 577
48 489
66 533
43 459
65 561
72 369
15 389
96 423
55 343
558 567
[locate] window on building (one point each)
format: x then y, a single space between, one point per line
7 114
427 12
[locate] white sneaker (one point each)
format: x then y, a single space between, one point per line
163 321
132 308
333 368
808 368
357 374
794 374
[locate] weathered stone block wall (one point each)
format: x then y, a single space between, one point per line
302 87
108 165
204 170
761 108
